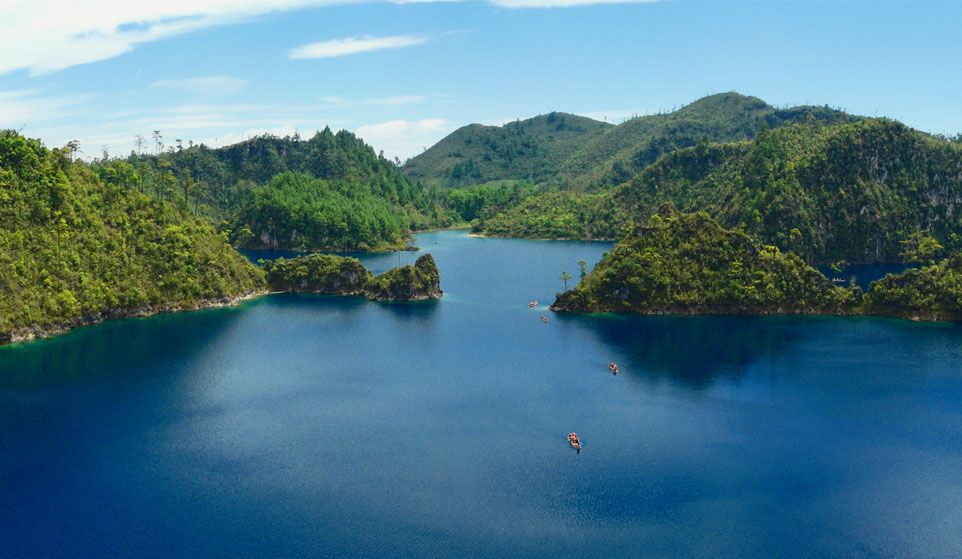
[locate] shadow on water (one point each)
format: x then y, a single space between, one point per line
112 349
694 351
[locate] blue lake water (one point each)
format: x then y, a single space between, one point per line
313 426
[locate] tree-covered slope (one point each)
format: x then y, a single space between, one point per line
73 246
529 150
591 155
628 148
217 182
688 264
929 293
858 192
296 211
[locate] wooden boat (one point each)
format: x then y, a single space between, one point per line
613 368
574 441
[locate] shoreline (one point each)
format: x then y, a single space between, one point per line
39 332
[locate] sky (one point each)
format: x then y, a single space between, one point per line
404 74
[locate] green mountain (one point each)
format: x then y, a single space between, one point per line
688 264
526 150
75 249
220 180
858 192
570 152
328 192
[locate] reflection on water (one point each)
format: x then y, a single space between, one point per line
324 426
691 350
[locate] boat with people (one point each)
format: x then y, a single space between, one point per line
532 304
544 318
613 367
574 441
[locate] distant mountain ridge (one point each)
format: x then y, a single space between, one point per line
869 191
528 149
570 152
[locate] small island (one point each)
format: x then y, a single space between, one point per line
339 275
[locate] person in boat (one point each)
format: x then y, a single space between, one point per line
544 318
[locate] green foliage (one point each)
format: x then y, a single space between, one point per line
297 211
72 245
848 192
318 273
920 249
407 283
325 273
687 263
929 293
565 151
528 150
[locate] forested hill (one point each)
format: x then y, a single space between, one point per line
74 248
330 192
221 179
569 152
530 150
869 191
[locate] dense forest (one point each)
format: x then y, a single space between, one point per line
688 264
73 245
568 152
930 293
681 263
870 191
327 192
531 150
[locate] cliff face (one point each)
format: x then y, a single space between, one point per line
336 275
318 273
407 283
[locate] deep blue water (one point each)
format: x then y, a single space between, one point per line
303 426
864 274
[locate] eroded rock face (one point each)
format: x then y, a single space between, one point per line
318 273
408 283
336 275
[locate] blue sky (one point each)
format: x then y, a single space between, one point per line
403 75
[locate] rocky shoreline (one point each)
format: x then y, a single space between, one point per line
36 332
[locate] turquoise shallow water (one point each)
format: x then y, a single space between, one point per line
337 427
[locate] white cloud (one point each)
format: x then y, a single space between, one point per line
404 138
559 3
340 102
206 86
27 107
354 45
48 35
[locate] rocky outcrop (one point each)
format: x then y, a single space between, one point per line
318 273
338 275
408 283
